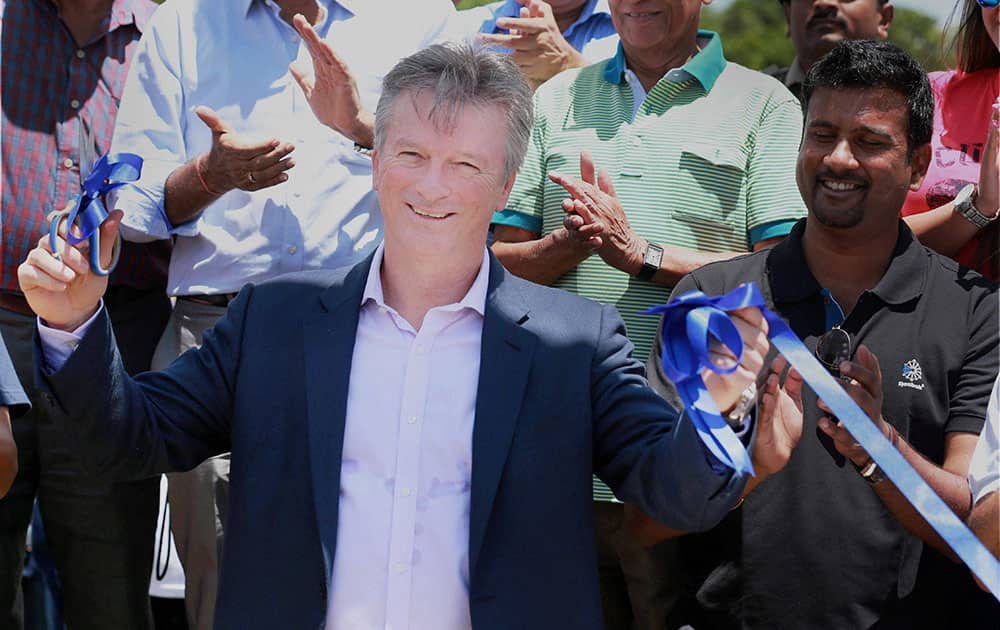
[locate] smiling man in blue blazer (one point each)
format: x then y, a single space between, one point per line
413 438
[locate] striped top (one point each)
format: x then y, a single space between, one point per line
705 161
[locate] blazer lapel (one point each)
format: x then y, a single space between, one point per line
329 347
507 350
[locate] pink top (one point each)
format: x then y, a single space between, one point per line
962 107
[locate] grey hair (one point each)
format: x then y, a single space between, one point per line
459 75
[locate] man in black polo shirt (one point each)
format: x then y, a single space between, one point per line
827 542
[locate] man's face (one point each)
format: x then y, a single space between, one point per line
655 24
438 187
852 168
816 26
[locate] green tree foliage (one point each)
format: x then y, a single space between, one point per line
753 32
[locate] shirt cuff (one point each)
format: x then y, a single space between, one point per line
771 229
58 345
518 219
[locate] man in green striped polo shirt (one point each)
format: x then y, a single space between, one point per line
687 159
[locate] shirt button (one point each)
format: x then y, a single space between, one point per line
80 54
405 492
411 420
292 249
75 104
421 349
637 142
67 163
400 567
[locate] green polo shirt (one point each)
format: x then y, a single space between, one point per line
707 163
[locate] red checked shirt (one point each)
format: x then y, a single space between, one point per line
49 85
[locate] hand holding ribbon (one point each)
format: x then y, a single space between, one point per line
689 322
88 212
695 327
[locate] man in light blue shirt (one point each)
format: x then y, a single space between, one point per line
246 180
545 38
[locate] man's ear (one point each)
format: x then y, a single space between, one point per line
787 8
918 164
505 194
886 14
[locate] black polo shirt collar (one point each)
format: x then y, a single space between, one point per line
791 280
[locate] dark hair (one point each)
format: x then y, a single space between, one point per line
876 64
974 50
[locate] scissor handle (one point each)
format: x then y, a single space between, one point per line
95 245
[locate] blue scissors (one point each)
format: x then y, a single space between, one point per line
88 211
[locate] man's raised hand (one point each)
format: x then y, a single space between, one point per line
64 291
779 419
332 92
234 162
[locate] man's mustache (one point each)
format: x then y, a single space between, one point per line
826 16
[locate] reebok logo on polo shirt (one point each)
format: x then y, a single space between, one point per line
913 375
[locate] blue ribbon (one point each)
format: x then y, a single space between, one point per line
688 323
88 212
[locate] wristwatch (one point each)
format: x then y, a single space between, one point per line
964 204
871 473
650 262
743 407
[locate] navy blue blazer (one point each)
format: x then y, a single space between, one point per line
560 397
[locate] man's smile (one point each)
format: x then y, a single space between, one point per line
839 185
429 214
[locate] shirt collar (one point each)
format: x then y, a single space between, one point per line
796 75
705 66
475 297
791 281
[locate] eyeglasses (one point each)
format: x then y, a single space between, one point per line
988 4
833 348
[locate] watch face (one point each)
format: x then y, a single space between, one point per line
654 258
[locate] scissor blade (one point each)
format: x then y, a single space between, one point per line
88 150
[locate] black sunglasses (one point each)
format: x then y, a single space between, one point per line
833 348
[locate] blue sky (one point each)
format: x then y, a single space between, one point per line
939 9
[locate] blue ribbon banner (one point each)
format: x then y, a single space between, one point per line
689 324
88 211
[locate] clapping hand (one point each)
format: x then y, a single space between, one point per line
593 199
540 50
331 91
